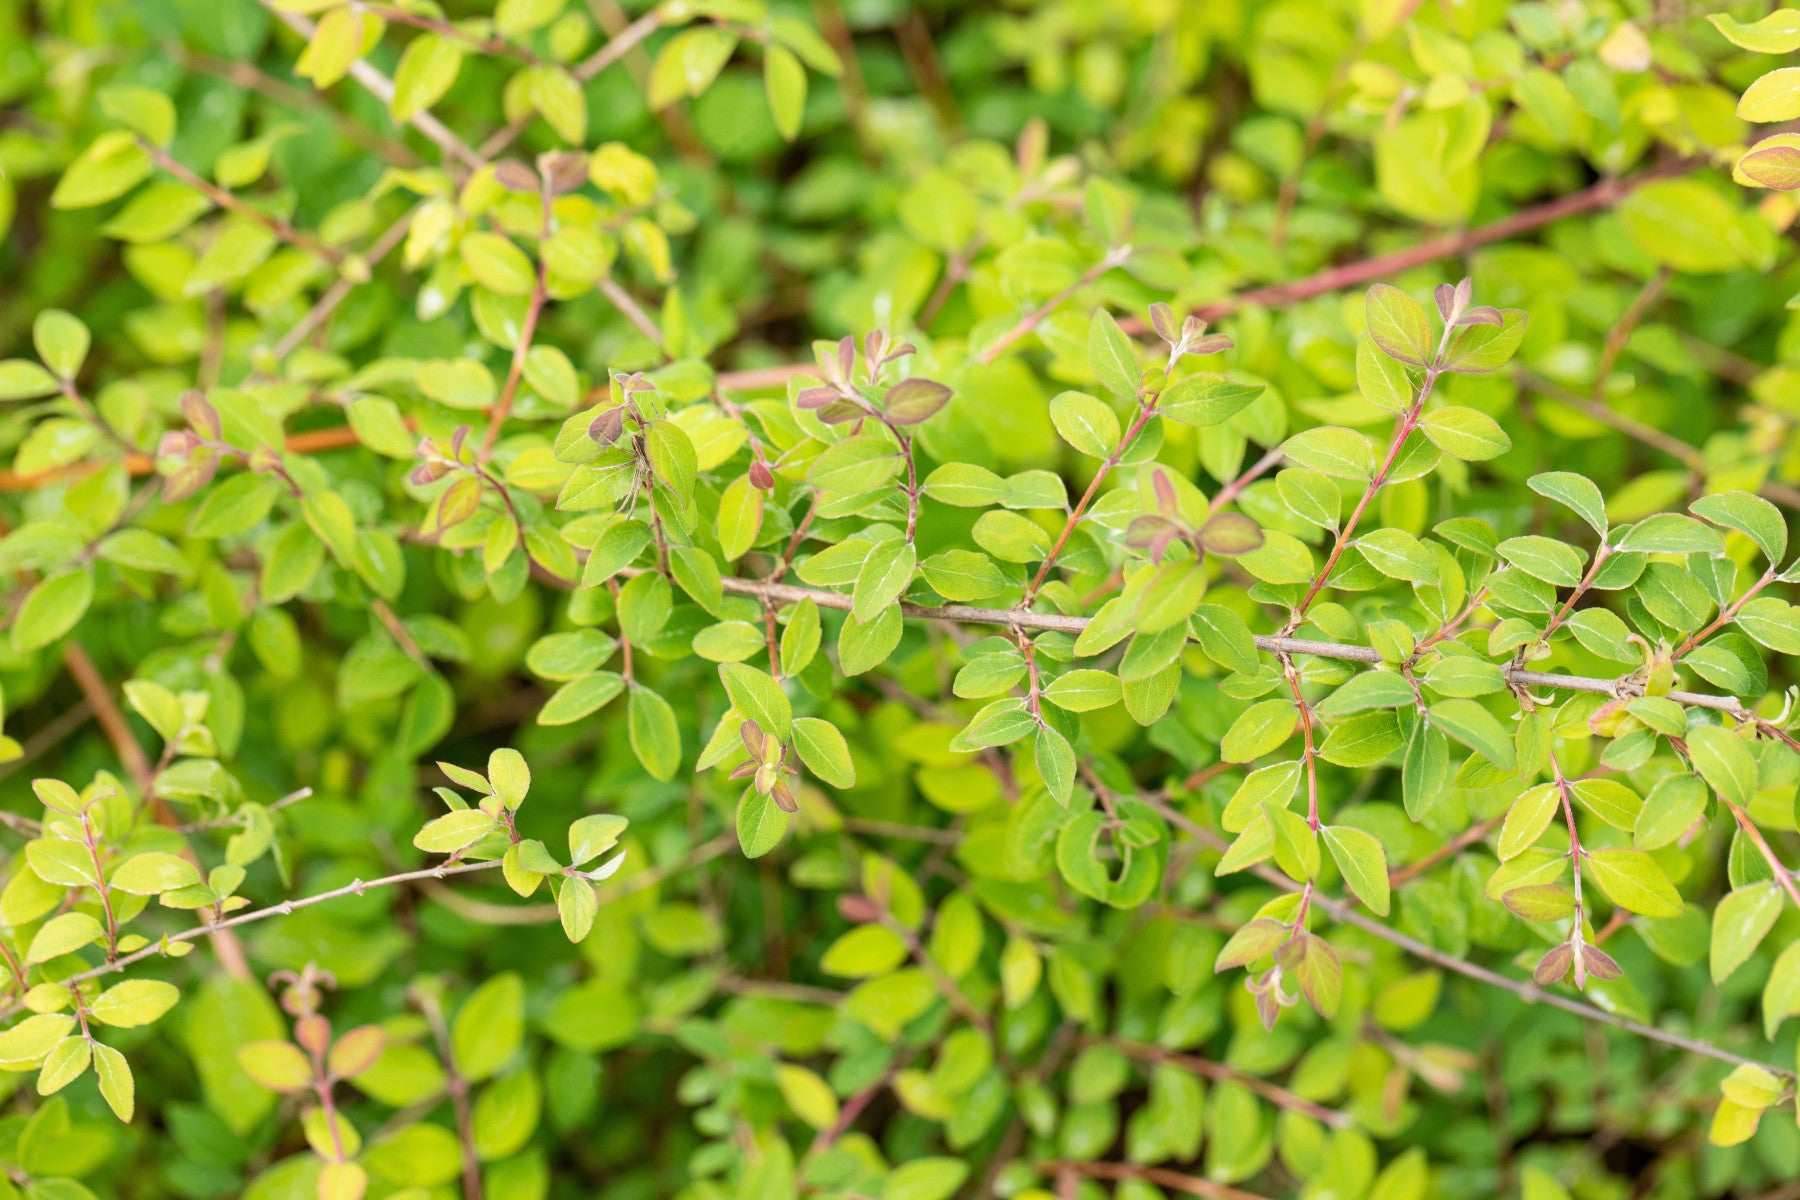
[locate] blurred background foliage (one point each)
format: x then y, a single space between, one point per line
1255 144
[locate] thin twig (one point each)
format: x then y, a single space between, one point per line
1220 1073
1525 989
965 614
1175 1181
382 88
457 1084
355 887
234 203
1030 321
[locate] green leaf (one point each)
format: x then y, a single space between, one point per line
1773 97
1751 516
497 264
1780 996
1398 555
925 1179
21 379
1225 638
800 640
865 645
1113 358
740 517
655 736
116 1085
112 165
1671 533
52 608
824 751
757 696
1478 349
864 951
1382 380
455 831
1464 433
1724 762
1205 399
688 63
1476 728
576 905
1527 819
784 80
883 578
760 823
509 777
1544 558
1258 730
1359 856
1632 880
580 697
1740 922
1055 763
1669 811
1577 493
67 1061
154 873
489 1026
1684 224
1085 423
427 69
856 464
1083 690
63 934
133 1003
1776 33
1398 325
1339 453
1364 691
962 575
61 339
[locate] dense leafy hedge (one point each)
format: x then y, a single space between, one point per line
898 600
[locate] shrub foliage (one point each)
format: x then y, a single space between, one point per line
767 600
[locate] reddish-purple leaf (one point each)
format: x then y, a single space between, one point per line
914 400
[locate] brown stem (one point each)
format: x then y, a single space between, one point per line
1145 411
854 1106
1726 615
252 78
616 48
1235 488
1306 728
1221 1073
233 203
341 287
1783 876
458 1086
1012 618
1620 334
1033 319
622 300
1604 194
1454 846
1408 422
1524 989
488 45
106 712
503 406
382 88
354 888
1175 1181
836 30
397 630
